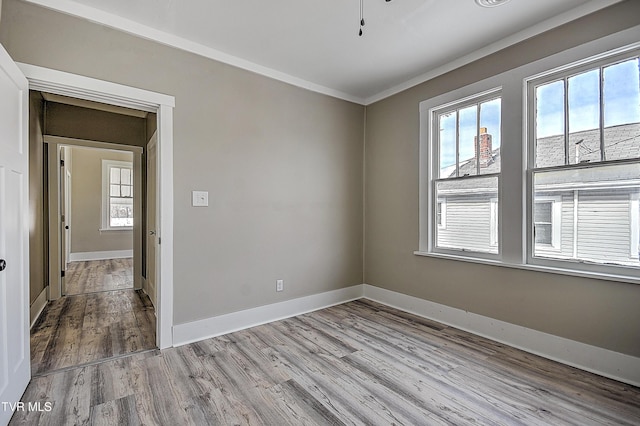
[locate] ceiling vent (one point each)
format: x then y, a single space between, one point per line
490 3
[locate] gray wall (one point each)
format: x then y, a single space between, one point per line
601 313
283 166
37 249
86 203
90 124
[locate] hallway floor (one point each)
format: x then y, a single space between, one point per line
83 328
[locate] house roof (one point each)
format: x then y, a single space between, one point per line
621 142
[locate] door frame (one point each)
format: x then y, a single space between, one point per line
56 229
77 86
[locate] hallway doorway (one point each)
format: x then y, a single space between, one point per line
98 303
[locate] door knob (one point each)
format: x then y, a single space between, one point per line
66 227
3 264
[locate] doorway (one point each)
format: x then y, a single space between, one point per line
98 305
111 94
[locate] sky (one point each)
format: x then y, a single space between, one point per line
621 96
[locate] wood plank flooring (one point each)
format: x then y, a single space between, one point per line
99 275
84 328
358 363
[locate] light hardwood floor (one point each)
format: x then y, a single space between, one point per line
99 275
357 363
83 328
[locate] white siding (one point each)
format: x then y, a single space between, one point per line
604 224
604 227
468 225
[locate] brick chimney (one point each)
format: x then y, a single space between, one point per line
486 147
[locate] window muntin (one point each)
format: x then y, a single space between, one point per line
466 148
117 195
585 123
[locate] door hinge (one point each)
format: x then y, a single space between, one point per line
159 240
61 163
62 217
62 274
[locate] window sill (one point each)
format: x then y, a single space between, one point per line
116 229
536 268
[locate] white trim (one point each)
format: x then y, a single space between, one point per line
100 255
38 306
128 26
493 222
539 28
67 84
235 321
634 215
615 365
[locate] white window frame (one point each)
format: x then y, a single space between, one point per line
531 83
515 189
494 237
634 215
556 220
434 178
106 167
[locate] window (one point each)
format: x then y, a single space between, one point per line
543 223
117 195
542 173
465 148
586 152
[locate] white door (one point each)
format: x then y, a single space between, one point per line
67 217
152 240
15 369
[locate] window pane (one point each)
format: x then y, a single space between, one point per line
447 145
114 191
121 212
490 136
600 213
126 191
543 232
542 212
550 124
469 214
622 110
114 175
584 117
125 176
468 129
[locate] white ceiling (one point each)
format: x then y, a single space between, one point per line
315 44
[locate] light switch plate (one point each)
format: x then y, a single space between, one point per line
200 198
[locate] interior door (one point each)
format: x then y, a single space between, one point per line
152 240
64 214
15 369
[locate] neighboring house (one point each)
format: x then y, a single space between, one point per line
577 214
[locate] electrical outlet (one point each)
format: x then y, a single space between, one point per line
279 285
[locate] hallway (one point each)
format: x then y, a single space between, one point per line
83 328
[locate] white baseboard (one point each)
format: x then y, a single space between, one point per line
37 306
235 321
100 255
617 366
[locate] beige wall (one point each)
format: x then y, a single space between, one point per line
601 313
37 249
86 202
283 166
